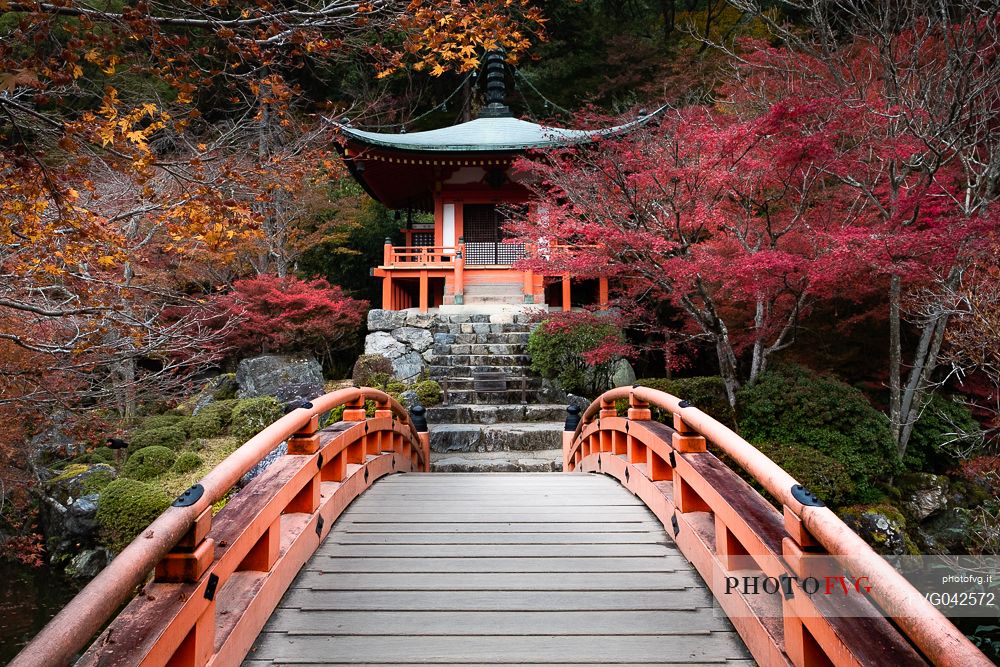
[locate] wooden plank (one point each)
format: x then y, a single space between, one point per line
463 623
349 526
448 600
461 565
491 550
727 663
517 581
593 649
488 538
567 515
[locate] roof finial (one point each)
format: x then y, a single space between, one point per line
496 88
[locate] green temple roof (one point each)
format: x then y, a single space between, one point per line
485 135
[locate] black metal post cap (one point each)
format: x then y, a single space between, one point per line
418 415
572 417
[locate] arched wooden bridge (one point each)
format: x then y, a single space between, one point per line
333 557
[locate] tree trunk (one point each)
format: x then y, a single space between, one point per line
894 357
757 364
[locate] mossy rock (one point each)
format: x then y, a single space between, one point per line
428 392
186 462
172 437
149 463
126 508
882 526
252 415
97 481
225 387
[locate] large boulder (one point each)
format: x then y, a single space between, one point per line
945 532
88 563
881 526
408 366
289 379
622 374
385 320
382 342
418 339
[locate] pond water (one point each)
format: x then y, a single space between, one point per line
29 597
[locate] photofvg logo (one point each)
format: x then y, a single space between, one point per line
957 586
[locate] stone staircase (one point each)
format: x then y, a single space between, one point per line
494 294
497 415
496 438
482 359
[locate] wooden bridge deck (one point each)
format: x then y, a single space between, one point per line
500 569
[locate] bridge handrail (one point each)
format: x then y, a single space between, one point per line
929 629
84 616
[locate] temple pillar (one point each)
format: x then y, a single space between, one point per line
567 303
602 290
423 292
387 300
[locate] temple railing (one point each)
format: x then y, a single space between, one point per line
419 256
216 579
731 533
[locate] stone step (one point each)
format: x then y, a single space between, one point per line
442 371
479 349
493 299
483 328
461 383
444 338
511 396
549 460
481 360
495 414
516 436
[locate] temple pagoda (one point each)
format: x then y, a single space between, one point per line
462 174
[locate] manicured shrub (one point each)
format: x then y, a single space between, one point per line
125 508
172 436
428 392
945 435
186 462
252 415
395 387
821 474
793 406
148 463
371 370
707 393
578 351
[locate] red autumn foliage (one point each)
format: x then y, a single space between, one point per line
290 315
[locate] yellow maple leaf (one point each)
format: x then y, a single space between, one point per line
438 70
77 71
107 261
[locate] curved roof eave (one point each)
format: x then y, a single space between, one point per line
484 135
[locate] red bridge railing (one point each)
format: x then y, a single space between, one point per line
729 531
216 579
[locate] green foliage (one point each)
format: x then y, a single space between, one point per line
186 462
945 434
335 416
823 475
125 508
207 423
793 406
149 463
707 393
372 370
428 392
172 436
252 415
395 387
558 352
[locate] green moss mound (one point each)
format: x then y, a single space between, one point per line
945 435
149 463
793 406
125 508
160 421
97 482
252 415
707 393
428 392
186 462
206 424
172 436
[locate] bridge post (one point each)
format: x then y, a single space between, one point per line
569 430
306 439
686 440
418 417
